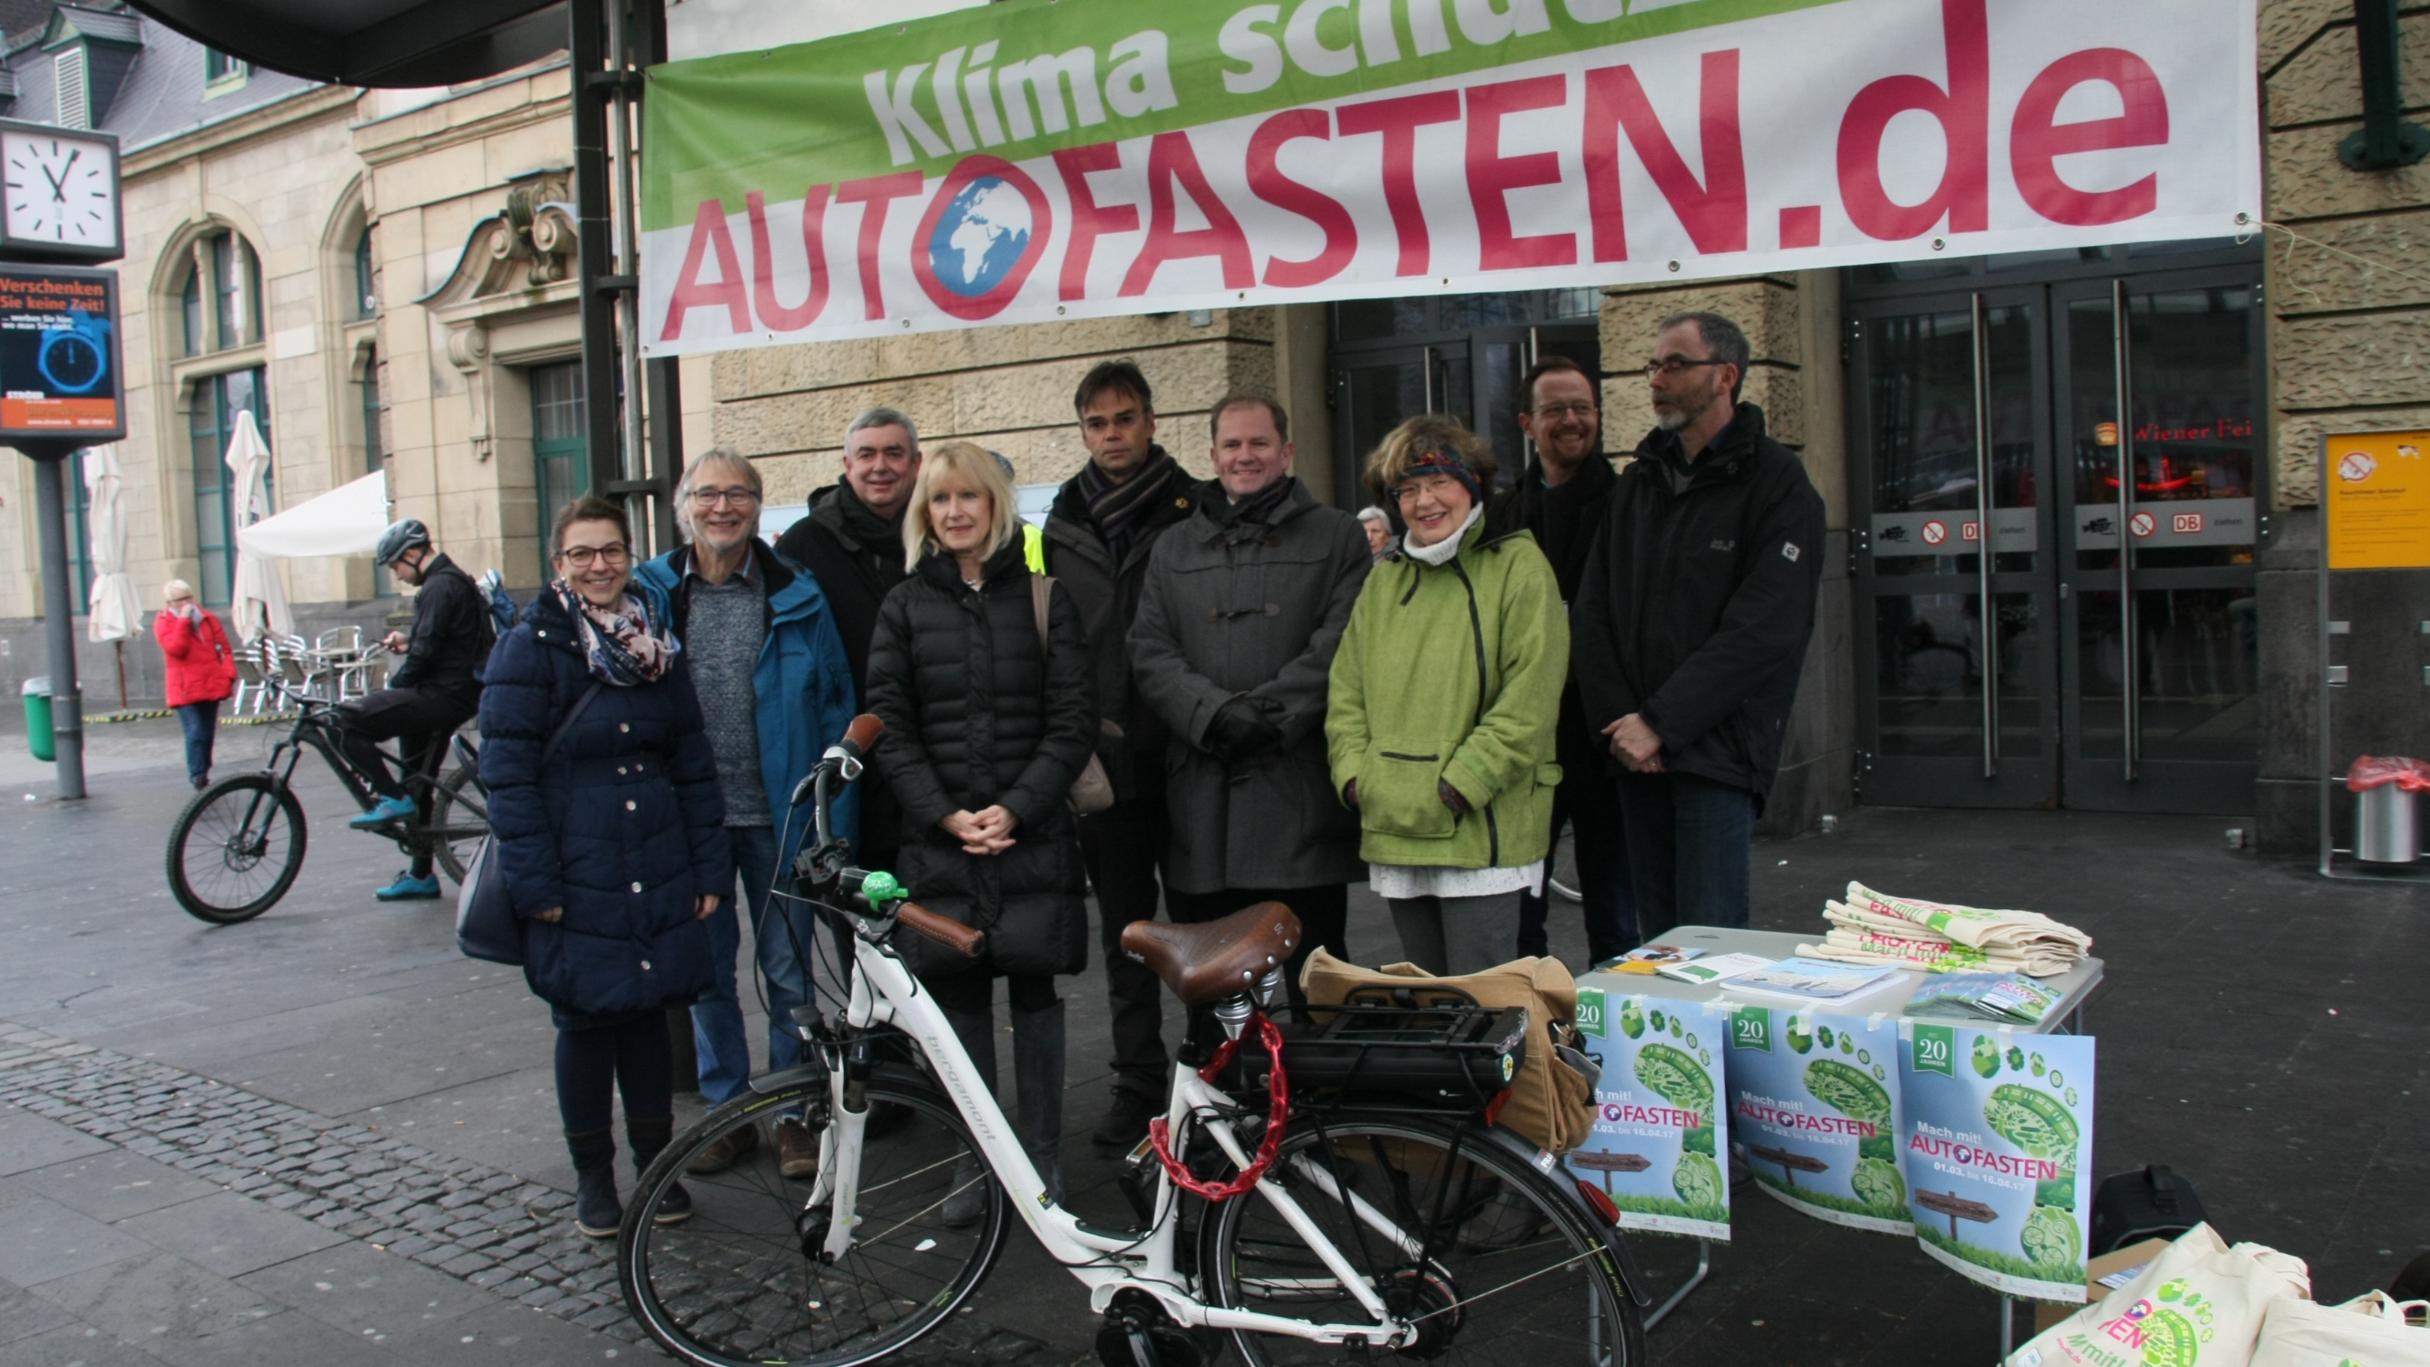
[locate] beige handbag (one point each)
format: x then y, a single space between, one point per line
2370 1330
1092 792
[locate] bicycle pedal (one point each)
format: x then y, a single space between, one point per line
1137 1333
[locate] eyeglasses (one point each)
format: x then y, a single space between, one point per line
612 555
1558 411
736 498
1672 365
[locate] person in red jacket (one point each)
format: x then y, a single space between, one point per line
201 668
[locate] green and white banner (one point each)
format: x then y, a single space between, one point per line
1997 1143
1656 1146
1047 159
1814 1111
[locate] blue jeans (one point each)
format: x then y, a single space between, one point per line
717 1021
201 721
1689 842
1601 849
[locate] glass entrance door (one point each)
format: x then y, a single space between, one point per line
2099 435
1952 405
2159 429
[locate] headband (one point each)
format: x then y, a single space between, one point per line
1446 464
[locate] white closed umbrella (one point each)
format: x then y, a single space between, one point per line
114 605
258 599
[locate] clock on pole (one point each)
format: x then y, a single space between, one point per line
59 194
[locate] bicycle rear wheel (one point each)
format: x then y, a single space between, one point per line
236 848
459 818
1504 1270
741 1281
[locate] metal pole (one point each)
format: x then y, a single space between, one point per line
594 230
1987 617
2130 664
59 624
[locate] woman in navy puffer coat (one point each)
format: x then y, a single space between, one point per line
613 848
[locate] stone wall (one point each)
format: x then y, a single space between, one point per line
1007 388
2347 342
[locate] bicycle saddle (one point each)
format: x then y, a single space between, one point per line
1212 960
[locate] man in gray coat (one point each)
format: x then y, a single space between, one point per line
1244 605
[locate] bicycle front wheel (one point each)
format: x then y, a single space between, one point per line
459 817
1491 1260
743 1279
236 848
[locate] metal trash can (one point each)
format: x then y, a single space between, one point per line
2387 825
38 735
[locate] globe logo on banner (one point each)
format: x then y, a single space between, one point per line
979 238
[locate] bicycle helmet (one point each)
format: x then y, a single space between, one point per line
402 535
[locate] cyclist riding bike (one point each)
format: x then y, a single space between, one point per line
435 690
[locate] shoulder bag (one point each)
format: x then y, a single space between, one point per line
1092 792
486 924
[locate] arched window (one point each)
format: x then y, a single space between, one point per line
366 288
223 294
221 371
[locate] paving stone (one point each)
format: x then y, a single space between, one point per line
112 1184
230 1234
47 1240
161 1298
354 1289
31 1141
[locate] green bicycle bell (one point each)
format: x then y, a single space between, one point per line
880 890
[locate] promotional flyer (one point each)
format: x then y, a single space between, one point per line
1997 1140
1814 1110
1656 1146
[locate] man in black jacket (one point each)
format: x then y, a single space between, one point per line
1562 500
1245 605
1104 522
1691 623
435 690
852 543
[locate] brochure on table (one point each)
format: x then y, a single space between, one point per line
1997 1138
1655 1148
1814 1111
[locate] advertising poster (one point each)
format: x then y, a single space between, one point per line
1998 1148
1814 1110
59 353
1038 163
1655 1149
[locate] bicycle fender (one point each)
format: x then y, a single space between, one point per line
772 1083
1543 1161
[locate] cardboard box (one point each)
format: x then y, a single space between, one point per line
2048 1313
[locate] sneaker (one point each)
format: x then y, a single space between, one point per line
387 809
673 1208
408 888
201 781
796 1149
1124 1121
725 1151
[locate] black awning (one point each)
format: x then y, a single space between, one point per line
373 42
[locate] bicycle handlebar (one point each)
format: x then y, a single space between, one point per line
964 940
824 862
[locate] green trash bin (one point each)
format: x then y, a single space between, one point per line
38 735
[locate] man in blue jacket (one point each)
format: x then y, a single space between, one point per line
775 691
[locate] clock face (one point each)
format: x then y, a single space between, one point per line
58 188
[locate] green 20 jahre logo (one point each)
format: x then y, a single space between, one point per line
1590 1011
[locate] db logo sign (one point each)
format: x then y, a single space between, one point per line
2186 522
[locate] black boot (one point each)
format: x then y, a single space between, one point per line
972 1188
1038 1076
648 1137
596 1212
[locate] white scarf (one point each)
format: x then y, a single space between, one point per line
1441 552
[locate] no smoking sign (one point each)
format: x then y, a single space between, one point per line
2142 524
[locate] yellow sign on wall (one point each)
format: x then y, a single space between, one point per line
2375 491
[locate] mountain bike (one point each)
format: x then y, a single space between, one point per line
236 848
1331 1223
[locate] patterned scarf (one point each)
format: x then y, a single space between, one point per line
622 645
1257 509
1117 508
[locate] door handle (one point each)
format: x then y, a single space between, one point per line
2130 665
1428 367
1987 615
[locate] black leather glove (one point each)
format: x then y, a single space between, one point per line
1451 797
1240 730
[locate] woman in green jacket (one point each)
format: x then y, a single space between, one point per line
1444 694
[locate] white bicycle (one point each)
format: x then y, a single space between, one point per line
1377 1213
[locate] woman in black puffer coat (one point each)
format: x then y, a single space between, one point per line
985 732
613 849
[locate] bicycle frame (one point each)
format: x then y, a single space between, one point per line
884 993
